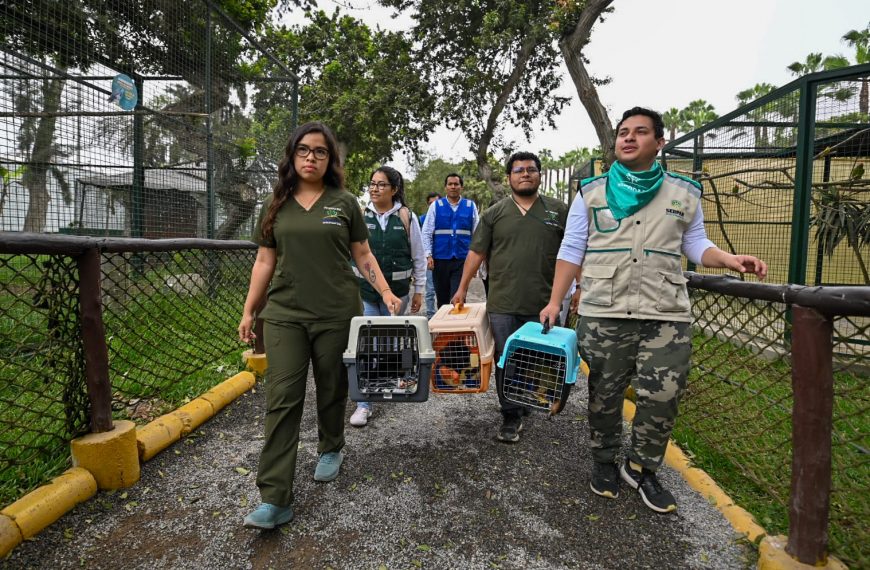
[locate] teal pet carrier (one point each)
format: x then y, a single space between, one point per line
540 366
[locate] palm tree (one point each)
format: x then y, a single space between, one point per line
841 216
757 114
674 122
860 40
697 114
816 62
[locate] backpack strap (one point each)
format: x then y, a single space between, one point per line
405 216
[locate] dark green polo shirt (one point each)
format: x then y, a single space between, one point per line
313 279
521 253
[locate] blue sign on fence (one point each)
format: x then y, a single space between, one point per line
124 92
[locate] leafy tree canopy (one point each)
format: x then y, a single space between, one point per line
364 84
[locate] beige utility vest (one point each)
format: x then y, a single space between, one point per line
632 268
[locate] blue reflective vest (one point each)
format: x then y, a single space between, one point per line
452 234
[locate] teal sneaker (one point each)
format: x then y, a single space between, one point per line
267 517
328 466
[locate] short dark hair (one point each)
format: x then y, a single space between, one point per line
658 123
522 155
431 195
454 175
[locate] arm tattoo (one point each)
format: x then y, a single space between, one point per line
371 273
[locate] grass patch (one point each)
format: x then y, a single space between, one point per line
735 423
164 345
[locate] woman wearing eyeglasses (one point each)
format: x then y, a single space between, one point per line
397 242
308 231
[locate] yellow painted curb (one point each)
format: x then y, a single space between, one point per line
256 363
41 507
10 535
772 556
226 392
700 481
193 414
167 429
112 457
157 435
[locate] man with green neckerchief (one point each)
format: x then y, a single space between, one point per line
627 231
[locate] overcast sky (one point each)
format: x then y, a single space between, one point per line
665 53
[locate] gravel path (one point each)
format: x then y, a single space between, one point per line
423 486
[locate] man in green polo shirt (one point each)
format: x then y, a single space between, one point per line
519 238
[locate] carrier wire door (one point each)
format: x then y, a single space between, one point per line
540 366
389 359
463 347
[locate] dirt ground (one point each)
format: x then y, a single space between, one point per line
423 486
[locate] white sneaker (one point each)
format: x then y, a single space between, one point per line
360 417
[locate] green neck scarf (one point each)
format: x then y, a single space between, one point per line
629 191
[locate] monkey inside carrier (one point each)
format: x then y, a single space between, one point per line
463 347
389 359
540 366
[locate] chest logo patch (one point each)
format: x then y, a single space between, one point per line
331 214
675 212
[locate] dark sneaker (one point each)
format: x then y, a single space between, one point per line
267 517
651 491
605 480
510 429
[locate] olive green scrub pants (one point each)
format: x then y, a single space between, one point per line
289 347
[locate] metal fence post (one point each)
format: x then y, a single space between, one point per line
813 387
138 190
94 340
800 222
209 135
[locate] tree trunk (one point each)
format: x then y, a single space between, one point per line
864 98
239 201
483 169
34 178
572 46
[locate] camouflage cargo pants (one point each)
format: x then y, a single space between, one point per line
651 356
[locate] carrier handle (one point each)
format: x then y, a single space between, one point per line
459 309
546 326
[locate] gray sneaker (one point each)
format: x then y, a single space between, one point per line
267 517
328 466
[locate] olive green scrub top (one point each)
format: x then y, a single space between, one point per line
521 253
313 279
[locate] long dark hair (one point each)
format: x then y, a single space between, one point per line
394 177
288 178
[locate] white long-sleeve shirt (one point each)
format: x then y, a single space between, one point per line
573 248
429 222
417 251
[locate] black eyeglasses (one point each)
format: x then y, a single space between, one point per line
521 169
320 153
379 185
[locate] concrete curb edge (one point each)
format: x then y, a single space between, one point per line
33 512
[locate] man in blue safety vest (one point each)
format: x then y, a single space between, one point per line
447 230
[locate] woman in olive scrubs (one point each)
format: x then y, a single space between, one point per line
308 232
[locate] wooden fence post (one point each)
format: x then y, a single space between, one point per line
813 387
94 340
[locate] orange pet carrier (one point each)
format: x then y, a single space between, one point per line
463 348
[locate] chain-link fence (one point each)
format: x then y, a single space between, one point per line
784 178
169 315
736 417
150 119
43 398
